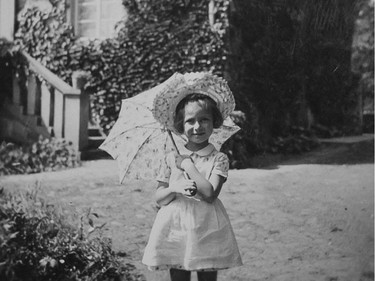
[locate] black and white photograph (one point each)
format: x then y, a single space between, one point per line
187 140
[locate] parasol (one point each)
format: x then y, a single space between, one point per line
139 142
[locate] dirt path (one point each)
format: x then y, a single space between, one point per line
310 218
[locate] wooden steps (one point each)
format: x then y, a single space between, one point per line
95 139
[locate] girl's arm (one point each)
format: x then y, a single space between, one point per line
165 194
208 190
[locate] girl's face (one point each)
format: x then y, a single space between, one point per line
198 124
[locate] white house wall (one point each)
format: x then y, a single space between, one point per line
7 14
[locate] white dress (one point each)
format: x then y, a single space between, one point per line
190 234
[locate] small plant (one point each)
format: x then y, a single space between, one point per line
38 242
43 155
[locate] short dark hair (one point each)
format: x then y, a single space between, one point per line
207 102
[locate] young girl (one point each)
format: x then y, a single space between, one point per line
192 231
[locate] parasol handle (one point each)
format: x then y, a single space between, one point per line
173 142
192 192
175 146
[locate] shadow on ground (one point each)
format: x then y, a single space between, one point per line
335 153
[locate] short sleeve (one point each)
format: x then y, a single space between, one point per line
165 170
221 165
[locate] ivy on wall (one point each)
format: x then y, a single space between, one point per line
149 49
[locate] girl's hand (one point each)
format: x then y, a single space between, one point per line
180 160
185 187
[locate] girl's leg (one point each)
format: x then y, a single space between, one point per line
207 275
179 275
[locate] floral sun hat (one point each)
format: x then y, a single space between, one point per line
181 85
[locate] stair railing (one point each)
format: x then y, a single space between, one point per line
62 108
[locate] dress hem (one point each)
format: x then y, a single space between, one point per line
177 266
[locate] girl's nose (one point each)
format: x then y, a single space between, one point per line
197 125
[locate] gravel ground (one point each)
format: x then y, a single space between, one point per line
309 217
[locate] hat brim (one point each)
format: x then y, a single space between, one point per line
180 86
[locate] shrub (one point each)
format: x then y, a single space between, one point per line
43 155
298 140
38 242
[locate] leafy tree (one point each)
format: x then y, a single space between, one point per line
290 65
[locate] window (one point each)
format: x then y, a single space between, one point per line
96 18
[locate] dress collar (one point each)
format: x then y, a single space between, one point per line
205 151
